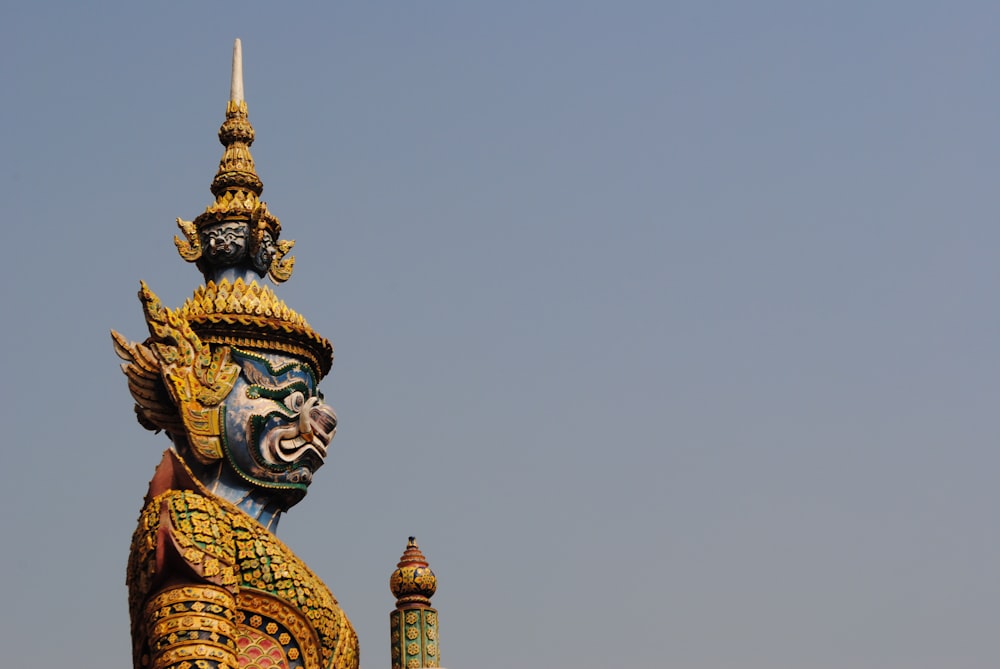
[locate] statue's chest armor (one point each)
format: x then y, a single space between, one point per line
286 618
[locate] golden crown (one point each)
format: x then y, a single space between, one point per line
252 316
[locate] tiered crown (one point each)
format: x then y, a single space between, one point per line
234 243
252 316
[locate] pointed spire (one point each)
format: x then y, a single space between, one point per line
236 236
236 87
236 169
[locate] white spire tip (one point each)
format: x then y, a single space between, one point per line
236 88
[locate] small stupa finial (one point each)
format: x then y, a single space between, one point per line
413 625
236 88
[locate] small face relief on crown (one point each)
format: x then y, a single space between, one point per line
266 250
276 427
225 243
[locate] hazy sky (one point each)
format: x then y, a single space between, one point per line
670 329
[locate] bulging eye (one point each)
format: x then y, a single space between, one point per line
294 401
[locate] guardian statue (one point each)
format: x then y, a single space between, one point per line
231 377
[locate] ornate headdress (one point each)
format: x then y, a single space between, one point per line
177 379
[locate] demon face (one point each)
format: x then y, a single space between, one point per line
275 427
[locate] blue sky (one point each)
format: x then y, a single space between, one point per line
669 329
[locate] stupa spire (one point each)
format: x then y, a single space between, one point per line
236 236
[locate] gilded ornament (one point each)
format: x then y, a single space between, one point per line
190 246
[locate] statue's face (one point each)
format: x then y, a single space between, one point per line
225 243
276 428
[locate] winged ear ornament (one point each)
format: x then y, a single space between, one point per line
177 380
154 409
281 267
190 246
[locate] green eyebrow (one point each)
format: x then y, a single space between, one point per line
256 390
279 371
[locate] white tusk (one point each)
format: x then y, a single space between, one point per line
304 428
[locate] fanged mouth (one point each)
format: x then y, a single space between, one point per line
292 449
287 445
303 442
